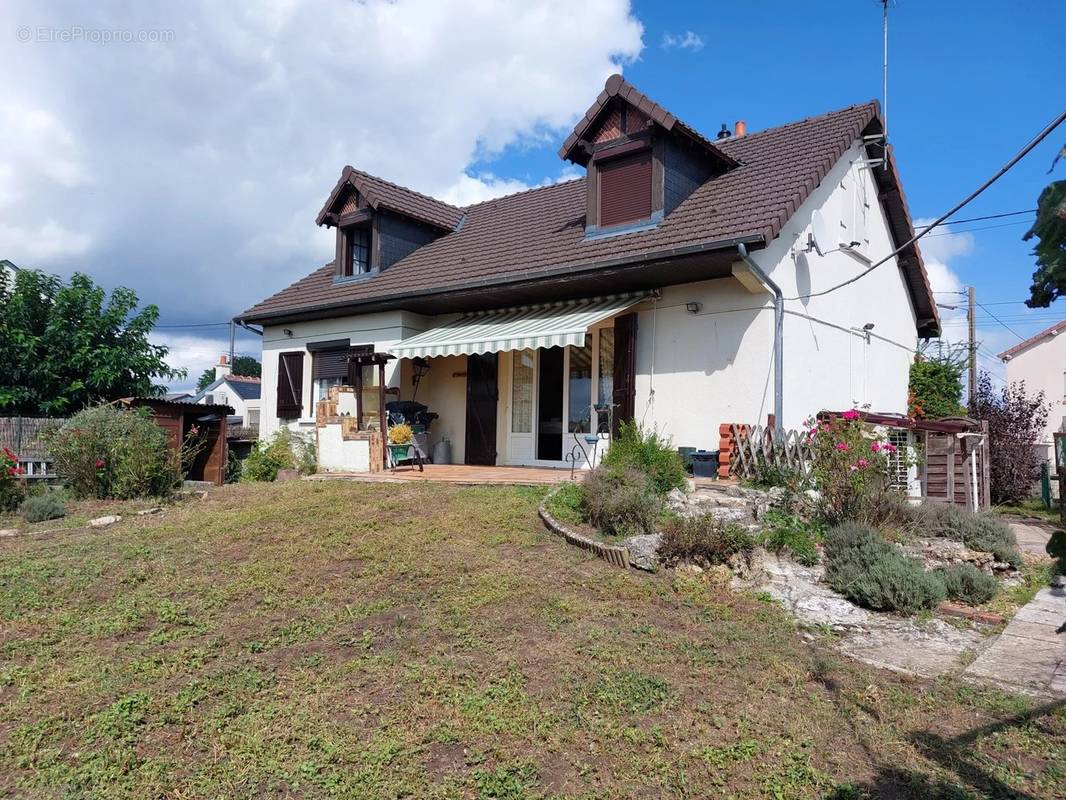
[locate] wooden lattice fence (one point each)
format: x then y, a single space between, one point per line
758 449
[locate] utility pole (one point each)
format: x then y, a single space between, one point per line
232 336
971 318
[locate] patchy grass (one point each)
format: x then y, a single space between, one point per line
1035 575
424 641
1033 507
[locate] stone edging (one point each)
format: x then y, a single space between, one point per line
612 554
950 609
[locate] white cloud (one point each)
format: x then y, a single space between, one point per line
45 243
688 40
191 169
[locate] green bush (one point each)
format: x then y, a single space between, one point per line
785 530
647 452
982 532
620 502
234 468
863 566
110 452
967 584
704 540
284 450
41 507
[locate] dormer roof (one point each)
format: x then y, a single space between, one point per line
617 86
379 193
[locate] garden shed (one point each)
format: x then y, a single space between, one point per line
178 420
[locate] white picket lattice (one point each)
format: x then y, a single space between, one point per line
755 448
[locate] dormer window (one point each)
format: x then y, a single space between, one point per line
356 251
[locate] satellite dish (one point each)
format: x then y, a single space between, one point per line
821 237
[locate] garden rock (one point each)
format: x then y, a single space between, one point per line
644 551
8 531
103 522
937 553
146 512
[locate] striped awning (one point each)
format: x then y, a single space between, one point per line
526 328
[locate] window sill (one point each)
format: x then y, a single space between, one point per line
594 233
340 280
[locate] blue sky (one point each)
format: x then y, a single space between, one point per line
188 162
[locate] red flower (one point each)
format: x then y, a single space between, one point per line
850 414
100 463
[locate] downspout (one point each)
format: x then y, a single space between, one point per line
779 333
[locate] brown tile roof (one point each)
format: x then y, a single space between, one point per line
617 86
540 233
243 378
380 193
1010 352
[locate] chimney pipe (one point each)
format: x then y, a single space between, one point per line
741 128
222 368
724 133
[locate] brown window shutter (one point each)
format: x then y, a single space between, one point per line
625 189
329 364
625 369
290 385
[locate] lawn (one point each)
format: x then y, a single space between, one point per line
378 641
1034 508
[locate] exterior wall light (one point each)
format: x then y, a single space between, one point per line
693 308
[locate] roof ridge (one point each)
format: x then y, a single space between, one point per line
815 118
1036 337
249 378
400 186
529 190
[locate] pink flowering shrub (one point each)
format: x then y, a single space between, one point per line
110 452
12 489
850 469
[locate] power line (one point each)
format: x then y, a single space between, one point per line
991 216
1032 143
1020 337
980 227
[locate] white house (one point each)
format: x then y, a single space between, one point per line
1040 361
242 392
683 282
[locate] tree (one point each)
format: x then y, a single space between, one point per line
66 346
1015 423
935 387
242 365
1049 280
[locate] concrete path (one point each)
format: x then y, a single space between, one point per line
1032 535
1030 655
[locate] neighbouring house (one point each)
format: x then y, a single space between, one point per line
243 392
1040 361
679 283
8 269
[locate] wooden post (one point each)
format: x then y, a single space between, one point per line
358 396
381 413
950 463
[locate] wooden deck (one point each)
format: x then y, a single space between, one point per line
458 474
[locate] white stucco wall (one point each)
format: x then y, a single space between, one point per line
829 361
1043 368
697 370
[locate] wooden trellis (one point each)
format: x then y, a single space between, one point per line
757 448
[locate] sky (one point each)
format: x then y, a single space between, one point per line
184 150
